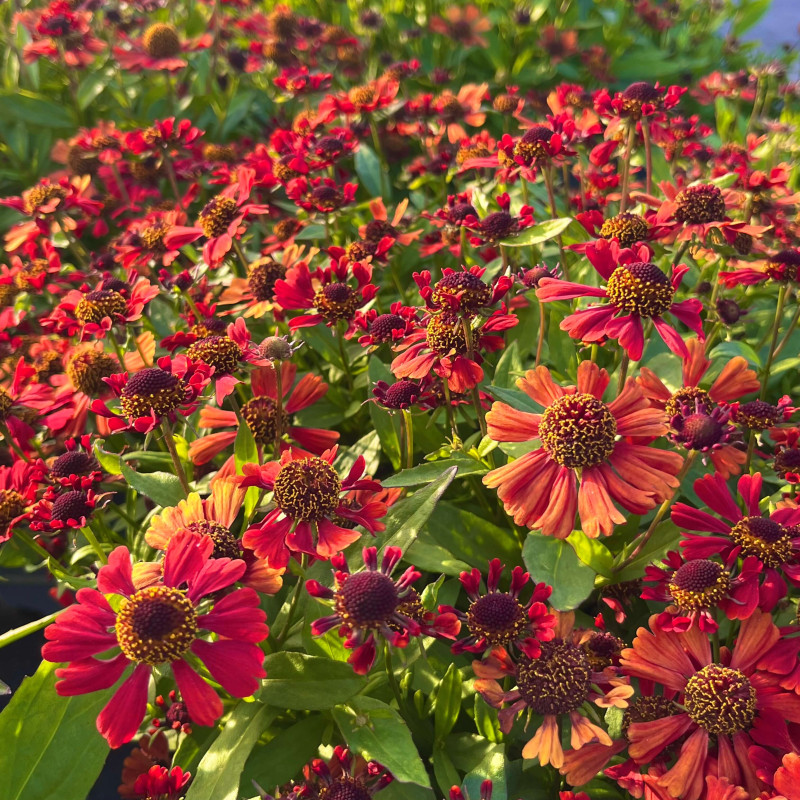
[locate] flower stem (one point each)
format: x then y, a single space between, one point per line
648 156
408 427
340 331
776 326
93 541
540 342
789 330
626 168
242 258
14 635
623 371
450 415
387 655
298 587
173 182
551 197
278 409
9 439
169 440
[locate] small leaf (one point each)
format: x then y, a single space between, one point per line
368 169
34 110
110 462
554 562
377 732
162 488
665 537
295 680
245 451
443 769
537 234
219 770
426 473
593 553
447 705
515 399
735 348
614 717
40 730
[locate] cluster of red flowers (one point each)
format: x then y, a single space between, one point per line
224 359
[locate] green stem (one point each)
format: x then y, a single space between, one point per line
648 156
169 440
173 181
278 409
14 635
387 655
25 539
623 371
776 326
450 416
626 167
540 341
408 427
242 258
298 587
551 197
93 541
341 327
376 141
790 329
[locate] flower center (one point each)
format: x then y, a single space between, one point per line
626 228
361 95
764 538
276 348
216 216
378 229
262 276
647 709
558 681
152 237
602 650
285 229
498 225
161 41
156 624
74 462
70 505
367 599
40 195
787 462
497 617
327 198
687 396
12 505
758 415
336 301
86 370
636 95
219 352
152 388
46 364
470 292
578 430
641 288
6 404
445 335
700 431
699 584
31 270
345 788
226 545
383 326
260 416
8 294
460 211
94 306
784 266
700 204
532 146
402 394
307 489
720 699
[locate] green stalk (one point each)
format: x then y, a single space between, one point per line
169 440
776 326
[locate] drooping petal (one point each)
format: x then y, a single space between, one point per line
236 666
119 721
202 702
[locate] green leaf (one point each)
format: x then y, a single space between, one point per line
554 562
91 87
665 537
378 732
162 488
34 110
493 768
593 553
245 451
515 399
537 234
426 473
614 718
40 730
447 705
368 169
295 680
735 348
110 462
382 421
443 769
219 770
748 14
406 518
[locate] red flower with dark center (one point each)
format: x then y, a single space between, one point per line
320 194
400 395
383 328
159 48
160 625
367 603
758 415
18 487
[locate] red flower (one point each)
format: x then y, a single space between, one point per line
589 458
366 603
726 706
159 48
92 627
462 25
635 289
320 194
18 487
310 513
774 540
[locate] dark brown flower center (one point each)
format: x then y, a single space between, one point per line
445 335
602 650
262 276
307 489
12 505
217 214
532 146
700 204
336 301
699 583
41 195
402 394
784 266
758 415
636 95
345 788
219 352
327 198
626 228
558 681
367 599
383 326
497 617
226 545
86 369
70 505
29 272
161 41
578 430
468 289
687 396
640 288
786 462
260 414
152 237
767 540
721 700
94 306
152 388
74 462
156 624
499 225
648 709
700 430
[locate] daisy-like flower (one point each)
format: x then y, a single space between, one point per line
77 468
160 48
220 220
310 514
463 25
18 487
627 228
635 289
773 540
162 783
214 516
759 415
500 619
588 460
391 327
364 99
498 225
262 415
24 402
538 146
328 291
786 461
66 507
639 100
726 707
783 267
160 625
367 603
324 195
155 393
461 291
143 241
555 686
456 110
